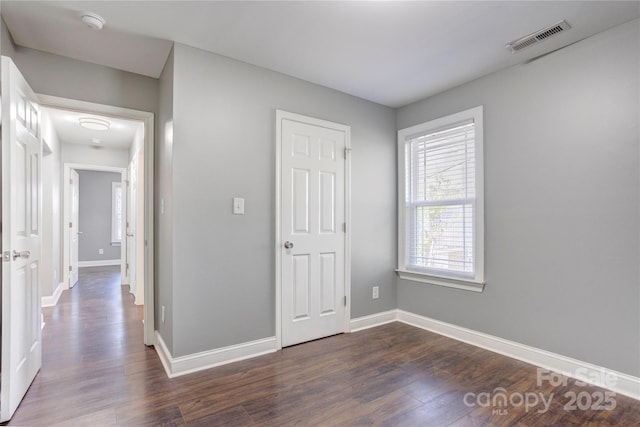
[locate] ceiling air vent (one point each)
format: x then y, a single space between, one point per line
538 36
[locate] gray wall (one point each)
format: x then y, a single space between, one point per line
163 195
55 75
95 216
7 47
223 264
95 156
562 197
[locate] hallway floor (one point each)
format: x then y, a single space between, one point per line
93 357
97 372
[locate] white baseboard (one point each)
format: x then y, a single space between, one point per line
618 382
183 365
373 320
163 354
51 301
99 263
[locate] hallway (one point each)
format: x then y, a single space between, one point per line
93 357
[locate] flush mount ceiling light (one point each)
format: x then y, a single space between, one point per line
92 20
95 140
94 123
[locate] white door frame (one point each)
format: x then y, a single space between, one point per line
66 215
68 209
284 115
148 264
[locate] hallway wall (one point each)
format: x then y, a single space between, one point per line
95 216
51 272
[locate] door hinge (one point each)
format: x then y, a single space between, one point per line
71 181
347 150
127 266
70 225
345 300
70 268
344 227
6 256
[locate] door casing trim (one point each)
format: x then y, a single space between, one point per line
148 119
281 115
66 214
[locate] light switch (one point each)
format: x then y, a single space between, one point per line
238 206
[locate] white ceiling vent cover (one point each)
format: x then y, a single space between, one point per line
538 36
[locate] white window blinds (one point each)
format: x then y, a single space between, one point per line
441 200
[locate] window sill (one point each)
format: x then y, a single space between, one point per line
467 285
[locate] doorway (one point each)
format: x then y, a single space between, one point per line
96 219
140 153
313 246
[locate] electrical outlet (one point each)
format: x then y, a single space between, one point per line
101 251
376 292
162 314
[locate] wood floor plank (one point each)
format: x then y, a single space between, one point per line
106 417
235 416
440 411
96 371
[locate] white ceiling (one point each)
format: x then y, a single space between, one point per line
119 136
390 52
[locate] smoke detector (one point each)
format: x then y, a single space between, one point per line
93 20
538 36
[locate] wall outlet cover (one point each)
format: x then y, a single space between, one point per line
238 206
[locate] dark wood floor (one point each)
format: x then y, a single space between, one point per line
97 372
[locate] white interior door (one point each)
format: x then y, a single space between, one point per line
21 239
139 230
74 231
132 195
311 226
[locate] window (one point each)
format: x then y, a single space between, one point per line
441 218
116 213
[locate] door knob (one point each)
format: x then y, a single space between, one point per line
288 245
22 254
79 232
129 234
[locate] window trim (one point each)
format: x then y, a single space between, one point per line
473 282
114 218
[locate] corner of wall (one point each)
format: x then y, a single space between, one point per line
164 292
7 45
